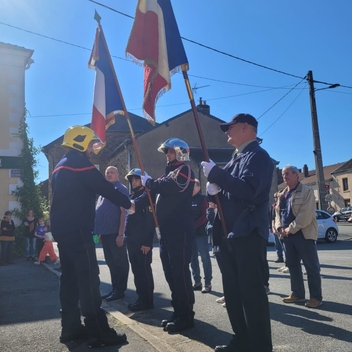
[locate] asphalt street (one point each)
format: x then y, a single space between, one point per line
30 319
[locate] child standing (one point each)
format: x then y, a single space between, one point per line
48 247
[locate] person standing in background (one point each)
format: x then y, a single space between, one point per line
7 238
140 230
30 224
200 243
110 221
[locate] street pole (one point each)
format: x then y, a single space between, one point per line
317 148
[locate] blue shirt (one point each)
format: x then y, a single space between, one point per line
107 214
286 213
40 230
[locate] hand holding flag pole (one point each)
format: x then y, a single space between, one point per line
108 99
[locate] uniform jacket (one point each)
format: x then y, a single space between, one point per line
140 227
245 183
303 208
75 183
173 192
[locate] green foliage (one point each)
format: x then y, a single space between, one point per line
29 194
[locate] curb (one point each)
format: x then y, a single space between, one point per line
150 338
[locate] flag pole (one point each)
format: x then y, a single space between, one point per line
135 145
202 142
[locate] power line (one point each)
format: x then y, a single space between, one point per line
211 79
282 98
225 53
284 111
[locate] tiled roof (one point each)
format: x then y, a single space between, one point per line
347 166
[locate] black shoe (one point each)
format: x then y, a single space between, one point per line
107 295
166 321
138 306
279 260
114 297
197 287
109 338
179 325
32 259
28 259
78 334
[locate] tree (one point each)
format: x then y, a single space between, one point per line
28 194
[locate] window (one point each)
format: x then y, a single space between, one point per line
347 202
345 184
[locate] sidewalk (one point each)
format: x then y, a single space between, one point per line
30 318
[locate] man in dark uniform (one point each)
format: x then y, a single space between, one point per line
140 229
174 211
243 187
75 183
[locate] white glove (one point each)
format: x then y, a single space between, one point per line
213 188
131 210
207 166
145 178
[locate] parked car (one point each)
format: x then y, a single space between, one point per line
343 214
327 228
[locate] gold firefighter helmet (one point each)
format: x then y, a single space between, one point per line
79 137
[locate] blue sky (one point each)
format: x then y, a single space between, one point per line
293 36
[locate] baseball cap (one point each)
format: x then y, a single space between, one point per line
240 118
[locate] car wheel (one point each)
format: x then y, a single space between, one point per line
331 235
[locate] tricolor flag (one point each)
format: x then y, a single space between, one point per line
155 39
107 100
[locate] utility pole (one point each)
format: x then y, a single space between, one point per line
323 205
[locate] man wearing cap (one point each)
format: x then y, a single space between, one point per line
243 187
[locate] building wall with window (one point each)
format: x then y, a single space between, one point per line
14 61
341 187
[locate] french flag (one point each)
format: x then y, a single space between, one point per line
155 39
107 99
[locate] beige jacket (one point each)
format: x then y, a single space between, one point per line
303 208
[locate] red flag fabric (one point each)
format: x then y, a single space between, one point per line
156 41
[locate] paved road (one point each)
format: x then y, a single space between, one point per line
29 318
294 327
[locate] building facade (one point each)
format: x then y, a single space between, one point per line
14 61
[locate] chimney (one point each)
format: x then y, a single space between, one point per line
305 170
203 107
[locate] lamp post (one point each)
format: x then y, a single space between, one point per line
316 142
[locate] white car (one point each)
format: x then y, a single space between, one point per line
327 228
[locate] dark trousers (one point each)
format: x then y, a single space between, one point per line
297 249
117 261
6 251
175 257
243 268
79 282
142 271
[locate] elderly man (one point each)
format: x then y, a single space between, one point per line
243 188
110 226
295 221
